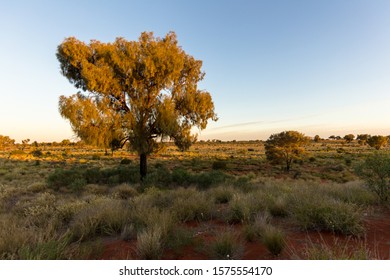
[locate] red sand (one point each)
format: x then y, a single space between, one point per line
376 241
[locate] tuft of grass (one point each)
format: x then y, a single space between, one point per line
254 229
191 204
226 246
329 215
222 194
47 250
273 238
124 191
337 250
150 244
101 217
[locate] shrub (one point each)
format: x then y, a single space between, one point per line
219 165
64 178
125 161
375 171
37 153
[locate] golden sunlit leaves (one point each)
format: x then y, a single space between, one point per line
144 90
284 147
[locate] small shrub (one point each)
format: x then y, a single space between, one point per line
125 161
375 171
37 153
219 165
64 178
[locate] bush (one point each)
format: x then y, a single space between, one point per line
125 161
219 165
37 153
64 178
375 171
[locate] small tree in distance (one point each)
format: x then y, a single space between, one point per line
284 147
377 141
317 138
362 138
349 138
6 141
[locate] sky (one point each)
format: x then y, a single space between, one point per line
318 67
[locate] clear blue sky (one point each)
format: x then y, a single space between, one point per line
319 67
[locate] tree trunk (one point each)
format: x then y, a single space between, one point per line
143 166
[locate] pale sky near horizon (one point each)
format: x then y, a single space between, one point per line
319 67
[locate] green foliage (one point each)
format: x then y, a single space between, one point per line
375 171
328 215
77 179
349 138
48 250
284 147
362 138
6 141
377 141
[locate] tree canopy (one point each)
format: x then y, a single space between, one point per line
284 147
377 141
141 91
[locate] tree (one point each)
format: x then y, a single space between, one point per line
375 171
377 141
6 141
317 138
349 138
284 147
362 138
25 143
143 92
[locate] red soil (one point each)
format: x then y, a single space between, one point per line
376 242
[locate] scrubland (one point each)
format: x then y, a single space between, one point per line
215 201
